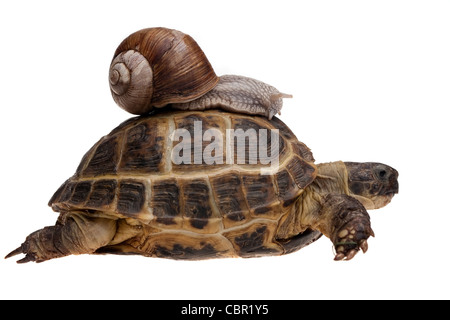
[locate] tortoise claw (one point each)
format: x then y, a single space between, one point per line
364 246
351 254
14 252
29 256
339 257
28 248
346 257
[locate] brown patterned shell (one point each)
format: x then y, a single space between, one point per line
129 173
164 66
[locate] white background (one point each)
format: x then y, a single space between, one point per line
370 81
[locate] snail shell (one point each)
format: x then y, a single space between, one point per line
157 66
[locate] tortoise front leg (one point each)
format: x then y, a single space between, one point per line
346 222
75 233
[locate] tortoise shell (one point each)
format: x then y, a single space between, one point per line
191 207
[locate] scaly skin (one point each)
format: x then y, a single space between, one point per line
77 233
330 206
334 204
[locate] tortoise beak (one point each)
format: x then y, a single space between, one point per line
390 180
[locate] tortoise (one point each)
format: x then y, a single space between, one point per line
129 195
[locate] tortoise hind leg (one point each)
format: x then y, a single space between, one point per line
126 241
75 233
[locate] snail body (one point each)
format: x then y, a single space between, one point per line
156 67
239 94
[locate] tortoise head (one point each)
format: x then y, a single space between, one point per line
373 184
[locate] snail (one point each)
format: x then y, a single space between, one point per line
156 67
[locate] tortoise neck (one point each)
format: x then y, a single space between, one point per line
332 177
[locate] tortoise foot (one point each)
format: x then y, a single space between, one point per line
40 246
29 248
352 237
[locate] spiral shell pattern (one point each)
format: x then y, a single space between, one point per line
159 66
131 82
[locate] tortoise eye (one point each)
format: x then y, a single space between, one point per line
382 172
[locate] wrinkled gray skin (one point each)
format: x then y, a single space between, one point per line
241 95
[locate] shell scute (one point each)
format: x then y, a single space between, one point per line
287 188
197 130
284 130
58 193
255 240
302 172
230 198
144 147
165 201
104 159
129 173
67 192
85 194
255 135
261 196
197 206
102 195
175 245
81 193
131 199
302 150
